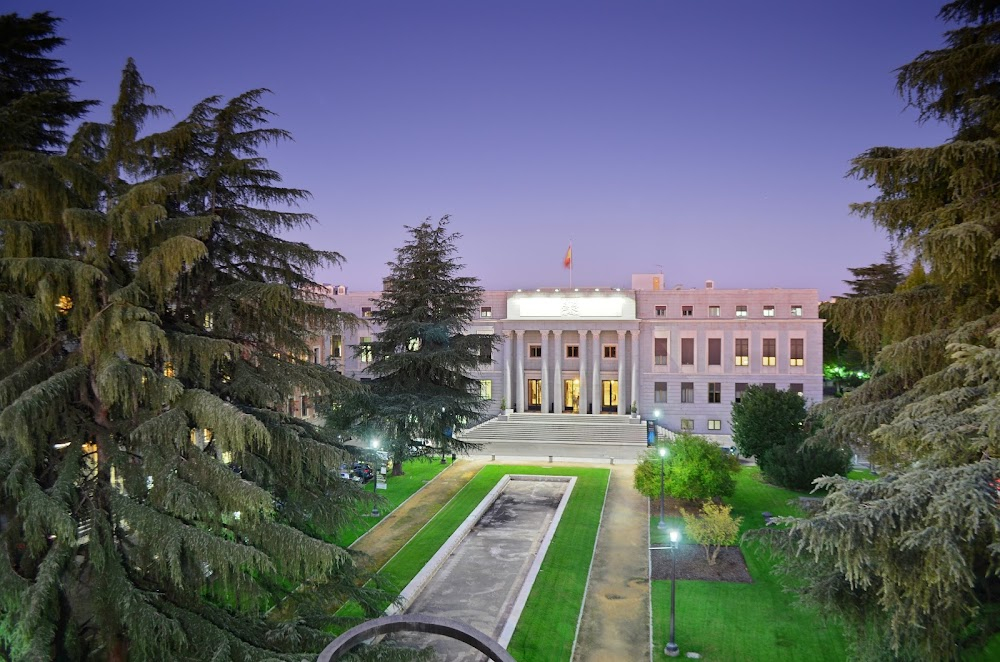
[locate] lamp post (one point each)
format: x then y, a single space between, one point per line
672 650
375 512
663 454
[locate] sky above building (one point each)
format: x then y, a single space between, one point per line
703 140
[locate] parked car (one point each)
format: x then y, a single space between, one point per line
363 471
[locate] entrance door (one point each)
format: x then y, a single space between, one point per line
609 397
534 395
571 395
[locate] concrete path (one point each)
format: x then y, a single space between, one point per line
615 622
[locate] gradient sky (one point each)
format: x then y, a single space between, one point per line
708 140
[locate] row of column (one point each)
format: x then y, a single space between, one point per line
552 393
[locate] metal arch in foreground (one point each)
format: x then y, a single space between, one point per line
415 623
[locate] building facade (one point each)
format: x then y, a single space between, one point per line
681 356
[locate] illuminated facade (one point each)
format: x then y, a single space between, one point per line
685 353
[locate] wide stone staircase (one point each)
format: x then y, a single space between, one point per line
603 435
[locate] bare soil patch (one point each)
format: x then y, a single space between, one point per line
691 564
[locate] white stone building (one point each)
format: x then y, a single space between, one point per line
681 355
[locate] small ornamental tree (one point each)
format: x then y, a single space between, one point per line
713 529
694 468
766 417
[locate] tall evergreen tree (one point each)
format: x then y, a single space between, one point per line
878 278
159 493
423 357
910 559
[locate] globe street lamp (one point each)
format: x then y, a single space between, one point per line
663 454
671 650
375 512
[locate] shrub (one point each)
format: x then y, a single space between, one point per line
694 468
796 465
766 417
714 529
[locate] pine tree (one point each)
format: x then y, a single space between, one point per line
423 357
878 278
160 496
910 559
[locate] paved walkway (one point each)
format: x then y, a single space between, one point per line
615 621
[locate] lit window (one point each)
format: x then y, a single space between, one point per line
797 388
572 351
687 311
611 351
366 349
796 352
413 345
714 311
742 351
486 311
366 311
661 311
64 305
486 389
740 390
336 347
687 351
796 311
768 357
714 424
687 392
714 392
741 311
660 351
687 425
534 351
715 351
659 391
768 311
168 369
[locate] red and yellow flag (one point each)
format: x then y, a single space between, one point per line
568 260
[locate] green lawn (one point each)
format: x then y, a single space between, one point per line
418 473
548 623
758 621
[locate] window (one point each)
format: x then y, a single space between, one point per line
714 392
687 351
611 351
336 347
687 392
366 349
796 352
659 391
768 311
316 355
660 351
572 351
713 311
687 425
742 351
715 351
796 311
769 386
305 406
413 345
740 390
796 388
661 311
714 424
486 311
768 357
486 349
687 311
741 311
366 311
535 351
486 389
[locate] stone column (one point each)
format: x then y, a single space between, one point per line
598 394
545 371
506 368
583 372
519 351
557 380
622 406
635 367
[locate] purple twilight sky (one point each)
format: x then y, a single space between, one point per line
706 139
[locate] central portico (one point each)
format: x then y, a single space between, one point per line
571 351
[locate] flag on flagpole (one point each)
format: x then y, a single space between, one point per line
568 260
